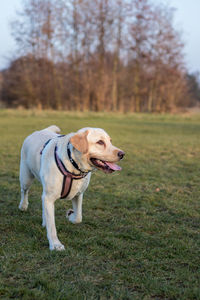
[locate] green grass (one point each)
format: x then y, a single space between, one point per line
139 238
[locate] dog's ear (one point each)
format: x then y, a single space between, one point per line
80 142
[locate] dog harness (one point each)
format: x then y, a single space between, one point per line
68 177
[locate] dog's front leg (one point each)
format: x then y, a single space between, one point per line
75 215
48 206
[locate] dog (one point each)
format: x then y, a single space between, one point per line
63 164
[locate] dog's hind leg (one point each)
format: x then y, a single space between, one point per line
26 179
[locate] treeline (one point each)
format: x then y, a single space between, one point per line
100 55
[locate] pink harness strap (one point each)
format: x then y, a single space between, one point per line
67 176
66 187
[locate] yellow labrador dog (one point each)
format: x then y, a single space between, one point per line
63 164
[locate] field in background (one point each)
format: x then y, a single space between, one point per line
139 238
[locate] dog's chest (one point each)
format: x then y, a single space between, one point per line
79 186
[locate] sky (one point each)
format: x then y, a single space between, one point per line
187 20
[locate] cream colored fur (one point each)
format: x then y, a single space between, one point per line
44 168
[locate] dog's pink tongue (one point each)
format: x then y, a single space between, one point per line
113 166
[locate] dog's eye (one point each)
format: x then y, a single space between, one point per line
100 142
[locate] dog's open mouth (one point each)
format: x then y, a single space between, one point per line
105 166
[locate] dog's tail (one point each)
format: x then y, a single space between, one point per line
54 128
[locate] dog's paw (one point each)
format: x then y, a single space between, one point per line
23 207
72 218
57 247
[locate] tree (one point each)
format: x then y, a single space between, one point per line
98 55
193 84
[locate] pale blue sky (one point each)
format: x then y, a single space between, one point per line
187 19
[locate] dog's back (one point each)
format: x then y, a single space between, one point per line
32 146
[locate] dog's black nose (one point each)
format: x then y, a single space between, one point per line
121 154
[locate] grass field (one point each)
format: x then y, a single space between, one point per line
139 238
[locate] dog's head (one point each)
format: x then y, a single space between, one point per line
96 149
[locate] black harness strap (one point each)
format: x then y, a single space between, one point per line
67 176
73 161
45 146
61 135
